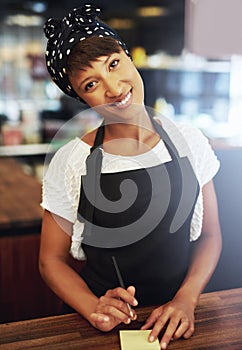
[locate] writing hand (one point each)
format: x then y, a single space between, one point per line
112 308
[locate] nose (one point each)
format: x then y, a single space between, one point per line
113 88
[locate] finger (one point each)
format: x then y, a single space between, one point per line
131 290
169 333
189 332
121 293
148 324
103 322
123 300
158 326
128 296
182 328
152 318
131 312
118 304
97 317
117 309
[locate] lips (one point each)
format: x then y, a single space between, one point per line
124 101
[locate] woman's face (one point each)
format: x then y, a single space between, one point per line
111 80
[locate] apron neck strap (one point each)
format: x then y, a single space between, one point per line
164 136
158 128
99 137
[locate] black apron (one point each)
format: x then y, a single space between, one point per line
150 239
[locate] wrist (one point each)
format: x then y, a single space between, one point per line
87 306
187 295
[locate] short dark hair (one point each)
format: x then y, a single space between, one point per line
89 50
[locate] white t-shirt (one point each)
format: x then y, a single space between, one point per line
62 181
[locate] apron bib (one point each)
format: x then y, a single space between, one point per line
149 236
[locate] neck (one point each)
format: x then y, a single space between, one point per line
130 138
135 128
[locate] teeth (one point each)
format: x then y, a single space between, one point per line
124 101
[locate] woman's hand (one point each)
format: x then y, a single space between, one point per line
176 319
112 309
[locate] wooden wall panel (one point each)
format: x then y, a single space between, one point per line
23 293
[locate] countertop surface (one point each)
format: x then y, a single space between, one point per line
218 326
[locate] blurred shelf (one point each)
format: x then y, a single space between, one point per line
26 150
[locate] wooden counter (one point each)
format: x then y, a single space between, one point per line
218 326
20 193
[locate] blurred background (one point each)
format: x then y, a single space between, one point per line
189 53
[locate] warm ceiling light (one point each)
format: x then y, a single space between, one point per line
120 23
24 20
152 11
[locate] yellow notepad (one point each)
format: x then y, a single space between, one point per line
137 340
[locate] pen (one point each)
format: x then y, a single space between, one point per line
121 282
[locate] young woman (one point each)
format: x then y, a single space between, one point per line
136 189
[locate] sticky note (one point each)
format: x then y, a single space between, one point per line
137 340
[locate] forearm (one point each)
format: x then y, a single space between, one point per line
68 286
206 250
205 256
178 313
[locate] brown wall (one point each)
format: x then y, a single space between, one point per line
23 294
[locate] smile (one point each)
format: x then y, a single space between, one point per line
124 101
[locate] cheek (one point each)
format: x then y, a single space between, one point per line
135 77
93 100
139 84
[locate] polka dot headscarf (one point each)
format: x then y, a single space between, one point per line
65 33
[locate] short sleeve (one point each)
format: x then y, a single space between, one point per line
205 160
206 165
56 186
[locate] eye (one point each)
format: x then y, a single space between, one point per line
114 63
90 85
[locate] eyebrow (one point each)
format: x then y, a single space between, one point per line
90 77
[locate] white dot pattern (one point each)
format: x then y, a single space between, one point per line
63 34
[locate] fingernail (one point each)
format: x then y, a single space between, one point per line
128 321
163 345
151 338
